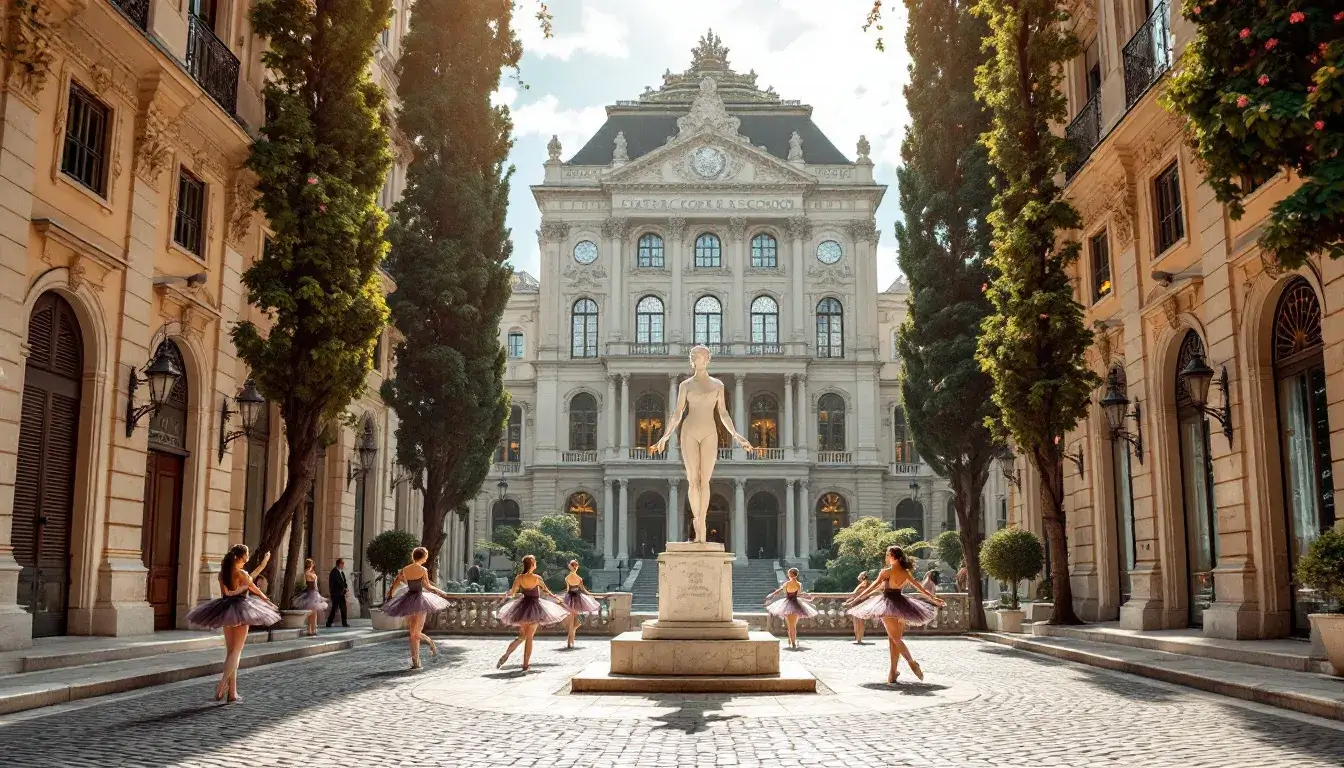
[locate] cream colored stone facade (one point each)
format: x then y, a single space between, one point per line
95 236
1180 274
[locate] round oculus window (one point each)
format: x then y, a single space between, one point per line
829 252
585 252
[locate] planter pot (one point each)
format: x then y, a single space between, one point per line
383 621
1039 611
1010 620
293 619
1329 627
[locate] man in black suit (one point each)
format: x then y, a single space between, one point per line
337 587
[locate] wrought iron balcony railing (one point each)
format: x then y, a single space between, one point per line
1084 133
135 10
1147 55
211 63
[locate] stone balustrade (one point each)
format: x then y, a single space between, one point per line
953 618
474 614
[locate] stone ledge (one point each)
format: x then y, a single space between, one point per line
598 678
658 629
758 654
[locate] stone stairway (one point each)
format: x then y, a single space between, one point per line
645 591
752 582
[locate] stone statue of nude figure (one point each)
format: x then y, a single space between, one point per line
699 399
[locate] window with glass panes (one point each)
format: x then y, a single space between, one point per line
1099 248
583 422
764 320
515 344
187 229
708 321
830 329
83 157
764 251
649 320
583 329
708 251
650 251
1170 217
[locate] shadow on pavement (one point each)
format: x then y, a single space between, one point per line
691 716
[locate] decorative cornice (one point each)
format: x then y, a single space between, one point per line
153 133
27 48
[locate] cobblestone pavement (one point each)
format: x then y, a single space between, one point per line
982 705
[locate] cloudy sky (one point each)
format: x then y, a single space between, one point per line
605 50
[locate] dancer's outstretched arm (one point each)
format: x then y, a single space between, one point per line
265 558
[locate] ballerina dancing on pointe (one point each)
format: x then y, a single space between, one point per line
700 399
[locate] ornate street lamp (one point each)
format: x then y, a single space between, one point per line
250 406
1197 375
503 486
1114 405
1010 473
367 451
161 374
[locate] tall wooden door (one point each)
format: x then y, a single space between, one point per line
159 536
44 483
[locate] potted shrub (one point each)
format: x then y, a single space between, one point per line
387 553
1322 569
1012 555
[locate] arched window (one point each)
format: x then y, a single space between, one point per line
764 251
1304 428
764 320
505 514
708 251
708 321
764 430
830 328
649 415
830 422
511 443
903 451
583 329
649 320
832 515
515 344
582 506
583 422
1201 523
910 514
650 251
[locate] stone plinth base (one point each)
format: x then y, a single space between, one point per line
598 678
658 629
695 583
757 654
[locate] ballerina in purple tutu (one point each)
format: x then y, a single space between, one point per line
792 607
420 599
241 605
895 609
578 600
529 611
309 599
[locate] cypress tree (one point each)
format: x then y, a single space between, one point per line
320 160
946 191
450 252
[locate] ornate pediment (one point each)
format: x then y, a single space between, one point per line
707 160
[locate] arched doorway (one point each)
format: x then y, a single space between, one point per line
832 515
1304 430
44 481
763 431
716 521
584 509
763 526
650 524
505 514
1201 523
164 464
910 514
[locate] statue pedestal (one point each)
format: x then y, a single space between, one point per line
695 645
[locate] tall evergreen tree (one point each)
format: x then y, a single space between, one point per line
946 187
320 160
1034 344
450 251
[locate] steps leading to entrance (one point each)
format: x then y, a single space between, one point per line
752 582
72 651
645 591
1292 655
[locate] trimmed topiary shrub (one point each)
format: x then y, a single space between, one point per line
390 551
1322 568
949 549
827 584
1012 555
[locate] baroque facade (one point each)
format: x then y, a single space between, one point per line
123 127
1192 508
708 211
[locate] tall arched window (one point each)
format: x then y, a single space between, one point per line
649 415
832 516
830 422
583 422
764 320
505 514
515 344
903 446
830 328
582 507
1122 485
910 514
650 251
583 329
708 321
764 431
511 443
708 251
649 320
1201 522
764 251
1304 429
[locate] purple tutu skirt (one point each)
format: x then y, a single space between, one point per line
791 605
311 600
412 602
892 604
578 602
531 609
244 609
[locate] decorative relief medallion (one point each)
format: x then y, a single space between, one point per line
708 162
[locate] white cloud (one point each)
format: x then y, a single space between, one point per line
599 34
506 95
545 118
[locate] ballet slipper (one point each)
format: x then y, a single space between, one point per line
914 667
891 677
502 659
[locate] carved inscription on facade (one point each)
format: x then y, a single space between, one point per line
708 204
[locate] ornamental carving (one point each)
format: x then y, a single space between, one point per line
684 169
863 230
554 231
799 228
616 228
676 228
737 228
28 50
838 275
152 144
242 198
708 113
587 278
1171 308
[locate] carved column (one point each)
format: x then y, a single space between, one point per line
786 434
623 542
803 411
676 232
625 414
613 231
740 518
612 445
790 520
865 235
673 510
673 444
800 230
608 527
737 233
739 409
552 235
808 521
